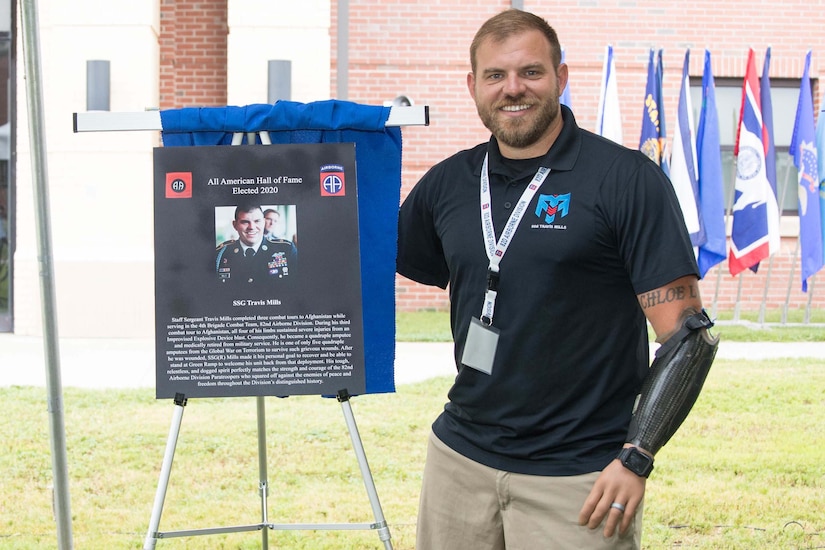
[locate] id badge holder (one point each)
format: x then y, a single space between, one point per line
480 346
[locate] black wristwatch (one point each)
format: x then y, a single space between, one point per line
636 461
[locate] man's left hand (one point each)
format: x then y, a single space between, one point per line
616 484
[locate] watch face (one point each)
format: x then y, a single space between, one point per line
637 462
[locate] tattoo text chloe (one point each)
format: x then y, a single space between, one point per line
673 294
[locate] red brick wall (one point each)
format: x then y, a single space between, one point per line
419 48
193 37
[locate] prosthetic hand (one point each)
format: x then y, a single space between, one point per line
673 384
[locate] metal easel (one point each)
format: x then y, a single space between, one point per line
150 120
379 525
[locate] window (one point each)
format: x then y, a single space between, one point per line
784 97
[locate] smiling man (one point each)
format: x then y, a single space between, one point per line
251 258
558 247
250 226
517 98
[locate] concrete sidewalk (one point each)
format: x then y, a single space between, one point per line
130 363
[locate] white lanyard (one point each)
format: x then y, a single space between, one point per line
496 250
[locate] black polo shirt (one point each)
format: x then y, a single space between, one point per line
604 226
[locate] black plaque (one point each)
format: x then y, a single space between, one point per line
284 318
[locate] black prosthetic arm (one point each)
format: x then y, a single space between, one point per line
673 384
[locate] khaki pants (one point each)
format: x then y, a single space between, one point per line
467 506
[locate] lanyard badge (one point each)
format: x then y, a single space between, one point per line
482 336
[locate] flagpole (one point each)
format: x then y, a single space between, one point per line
736 306
790 282
796 251
764 303
728 214
807 318
762 308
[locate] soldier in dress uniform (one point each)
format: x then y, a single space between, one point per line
252 258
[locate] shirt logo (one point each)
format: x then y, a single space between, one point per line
550 205
333 182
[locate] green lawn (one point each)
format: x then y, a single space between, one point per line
745 471
434 326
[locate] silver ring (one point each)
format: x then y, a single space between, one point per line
617 506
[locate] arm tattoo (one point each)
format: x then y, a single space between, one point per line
667 295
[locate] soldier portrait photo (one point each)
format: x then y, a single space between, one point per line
253 254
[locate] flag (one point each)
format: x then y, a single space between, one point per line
660 100
649 142
711 188
803 150
820 153
755 231
683 168
609 117
767 121
565 94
